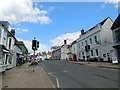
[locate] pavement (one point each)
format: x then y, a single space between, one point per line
24 77
98 64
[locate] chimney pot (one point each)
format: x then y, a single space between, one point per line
65 41
82 32
13 32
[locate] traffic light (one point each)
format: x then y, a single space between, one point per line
34 44
37 44
87 48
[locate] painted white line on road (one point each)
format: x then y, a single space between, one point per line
58 85
65 71
57 81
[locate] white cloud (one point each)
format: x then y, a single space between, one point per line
21 30
28 44
69 36
113 1
16 11
25 30
73 0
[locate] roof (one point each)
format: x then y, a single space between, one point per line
116 23
73 42
101 23
5 24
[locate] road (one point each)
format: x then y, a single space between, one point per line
69 75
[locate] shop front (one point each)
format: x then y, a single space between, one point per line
3 58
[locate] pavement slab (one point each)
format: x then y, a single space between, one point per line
98 64
24 77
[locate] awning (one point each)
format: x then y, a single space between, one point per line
4 50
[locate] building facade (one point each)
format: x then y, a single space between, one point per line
8 47
96 43
65 50
23 51
73 50
3 45
11 58
116 37
56 54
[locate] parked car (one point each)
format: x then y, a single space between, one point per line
40 58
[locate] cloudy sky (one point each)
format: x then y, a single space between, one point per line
52 22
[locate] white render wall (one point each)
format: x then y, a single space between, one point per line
13 52
3 36
74 49
64 51
106 32
93 46
3 67
12 43
104 39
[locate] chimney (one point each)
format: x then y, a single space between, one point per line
65 42
82 32
13 32
5 23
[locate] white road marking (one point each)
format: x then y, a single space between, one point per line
57 81
64 71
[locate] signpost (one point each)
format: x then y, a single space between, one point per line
35 46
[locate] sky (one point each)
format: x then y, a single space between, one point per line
52 22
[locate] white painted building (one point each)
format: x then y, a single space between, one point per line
65 51
3 45
100 40
74 51
8 49
116 37
11 58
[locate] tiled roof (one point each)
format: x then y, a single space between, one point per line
101 23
